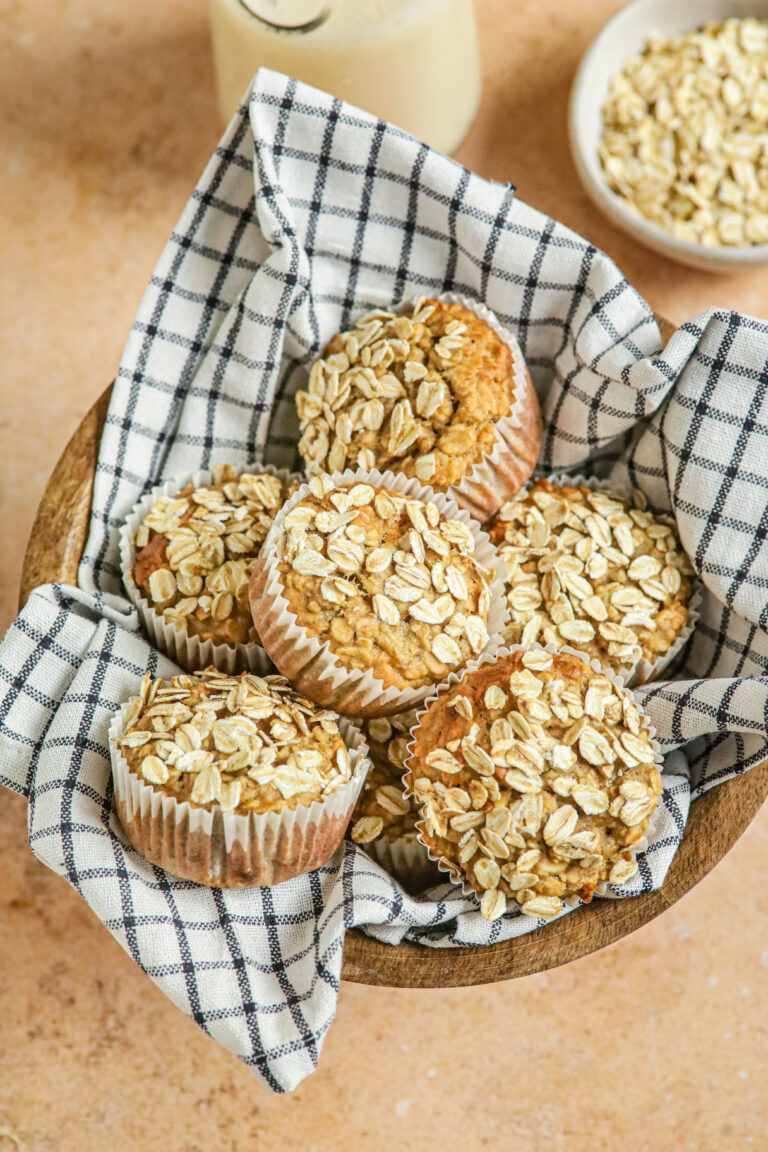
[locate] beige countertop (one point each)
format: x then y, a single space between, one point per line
657 1043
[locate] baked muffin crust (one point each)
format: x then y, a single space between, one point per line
535 775
416 392
383 809
195 552
391 584
589 569
240 743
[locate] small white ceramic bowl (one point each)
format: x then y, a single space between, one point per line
623 36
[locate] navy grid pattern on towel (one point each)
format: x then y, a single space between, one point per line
309 213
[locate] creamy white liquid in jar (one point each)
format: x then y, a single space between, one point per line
413 62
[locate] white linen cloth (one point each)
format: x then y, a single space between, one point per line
309 213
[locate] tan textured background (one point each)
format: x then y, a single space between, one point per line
657 1043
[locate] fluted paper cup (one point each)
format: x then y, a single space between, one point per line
407 860
308 662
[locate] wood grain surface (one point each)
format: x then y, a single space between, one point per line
716 821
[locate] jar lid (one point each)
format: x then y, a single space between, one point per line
290 15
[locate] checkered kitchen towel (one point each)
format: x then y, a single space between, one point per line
309 213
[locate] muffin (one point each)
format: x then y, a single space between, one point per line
535 776
587 568
233 780
384 819
194 551
437 393
386 585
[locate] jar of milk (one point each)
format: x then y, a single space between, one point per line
413 62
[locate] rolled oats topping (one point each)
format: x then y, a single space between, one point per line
685 131
195 552
240 743
535 776
417 392
392 584
383 808
591 570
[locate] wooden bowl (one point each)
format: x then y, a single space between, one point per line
716 821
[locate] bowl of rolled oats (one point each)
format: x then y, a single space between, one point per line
668 125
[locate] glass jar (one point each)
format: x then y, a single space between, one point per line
412 62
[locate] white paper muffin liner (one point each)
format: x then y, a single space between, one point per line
224 849
501 473
644 671
190 652
308 662
407 860
491 657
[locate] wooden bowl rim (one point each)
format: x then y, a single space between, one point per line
53 554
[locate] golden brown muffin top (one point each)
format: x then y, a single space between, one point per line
239 743
417 392
534 774
391 584
195 552
591 570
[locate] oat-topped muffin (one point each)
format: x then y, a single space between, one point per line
535 776
418 393
233 780
590 569
244 743
391 584
383 810
195 552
